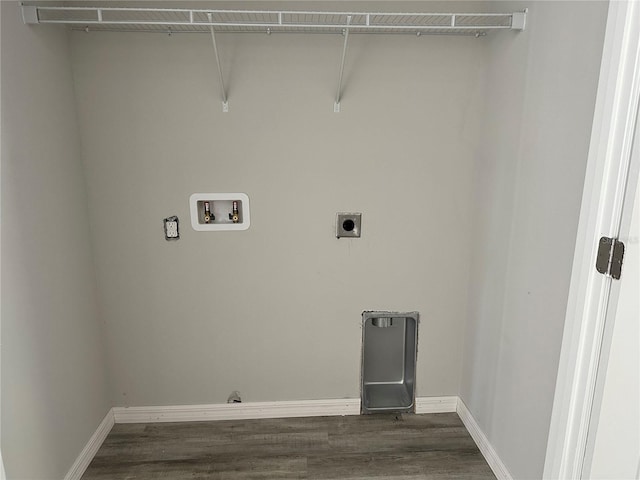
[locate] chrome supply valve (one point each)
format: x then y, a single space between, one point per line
208 216
234 216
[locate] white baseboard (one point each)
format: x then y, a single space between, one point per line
91 448
436 404
256 410
237 411
485 447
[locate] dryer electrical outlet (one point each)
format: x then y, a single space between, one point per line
348 225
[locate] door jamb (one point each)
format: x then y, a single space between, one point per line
608 167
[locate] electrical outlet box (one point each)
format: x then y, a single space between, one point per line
171 231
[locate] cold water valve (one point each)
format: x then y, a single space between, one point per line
234 215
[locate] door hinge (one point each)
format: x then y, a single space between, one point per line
610 255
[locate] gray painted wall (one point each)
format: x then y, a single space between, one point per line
530 171
54 392
274 312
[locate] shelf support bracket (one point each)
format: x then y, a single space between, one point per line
336 105
225 101
519 20
29 14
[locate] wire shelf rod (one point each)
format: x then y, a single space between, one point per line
271 25
292 12
469 33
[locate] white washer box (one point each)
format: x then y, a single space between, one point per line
221 205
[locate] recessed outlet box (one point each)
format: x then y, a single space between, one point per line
219 211
348 225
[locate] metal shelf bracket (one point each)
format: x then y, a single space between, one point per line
336 105
29 14
225 100
519 20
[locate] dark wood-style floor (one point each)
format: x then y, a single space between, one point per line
398 447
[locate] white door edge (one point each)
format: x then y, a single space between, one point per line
606 178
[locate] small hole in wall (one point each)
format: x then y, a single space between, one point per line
348 225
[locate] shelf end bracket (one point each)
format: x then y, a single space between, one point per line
519 20
30 14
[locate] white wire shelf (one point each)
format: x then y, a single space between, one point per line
175 20
269 21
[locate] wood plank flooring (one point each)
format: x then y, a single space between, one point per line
389 446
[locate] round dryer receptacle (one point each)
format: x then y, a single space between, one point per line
348 225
